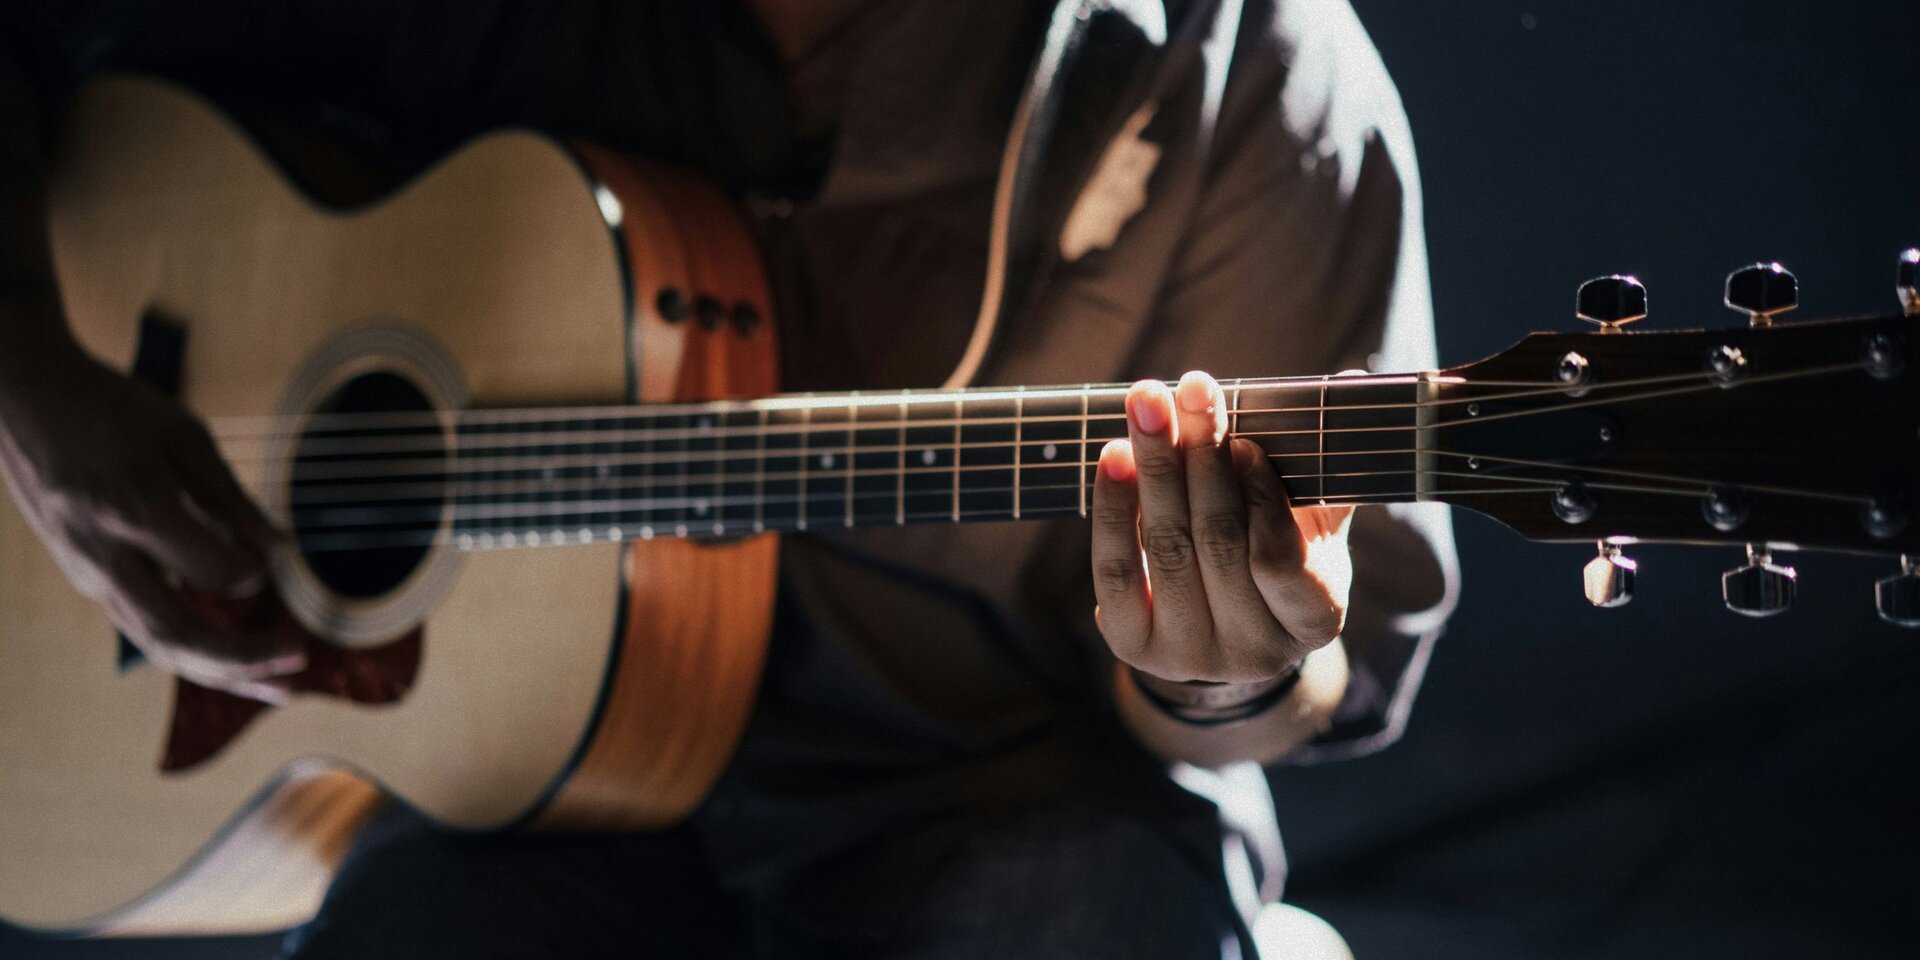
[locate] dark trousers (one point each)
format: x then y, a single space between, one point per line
1047 884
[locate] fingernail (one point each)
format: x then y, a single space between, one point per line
267 693
248 588
1195 393
291 663
1114 460
1148 406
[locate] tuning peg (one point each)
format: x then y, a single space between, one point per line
1612 302
1908 284
1898 597
1761 290
1608 578
1759 589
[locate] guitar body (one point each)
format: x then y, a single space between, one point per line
601 686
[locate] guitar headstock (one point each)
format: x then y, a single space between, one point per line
1769 436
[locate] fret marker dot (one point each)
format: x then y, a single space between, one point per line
706 424
533 539
700 507
928 457
585 535
826 461
507 539
719 528
1049 451
603 470
558 536
486 541
616 534
646 533
466 541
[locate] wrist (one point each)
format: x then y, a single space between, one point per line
1207 703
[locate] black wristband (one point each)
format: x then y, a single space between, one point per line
1200 713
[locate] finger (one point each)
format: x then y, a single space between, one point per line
211 484
1317 522
1302 604
1119 581
156 617
1179 597
1244 626
166 529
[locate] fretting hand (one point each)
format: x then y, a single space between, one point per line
1202 568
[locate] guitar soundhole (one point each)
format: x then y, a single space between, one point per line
368 491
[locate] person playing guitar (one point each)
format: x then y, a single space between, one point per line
960 743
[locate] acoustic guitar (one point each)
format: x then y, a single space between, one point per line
534 561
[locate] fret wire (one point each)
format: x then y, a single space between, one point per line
1233 412
957 413
853 436
806 463
1019 410
1081 472
760 476
1323 442
900 458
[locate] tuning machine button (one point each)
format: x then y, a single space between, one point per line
1898 597
1608 578
1908 283
1762 291
1612 302
1761 588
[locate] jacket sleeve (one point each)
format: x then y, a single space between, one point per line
1306 255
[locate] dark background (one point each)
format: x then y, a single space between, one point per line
1665 780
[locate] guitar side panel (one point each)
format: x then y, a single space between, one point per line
697 615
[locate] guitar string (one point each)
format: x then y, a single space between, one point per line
438 535
683 497
236 425
362 494
459 466
641 529
320 494
436 419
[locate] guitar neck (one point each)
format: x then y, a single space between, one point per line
822 461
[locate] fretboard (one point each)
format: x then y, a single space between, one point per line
819 461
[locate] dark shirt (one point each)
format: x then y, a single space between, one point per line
923 678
